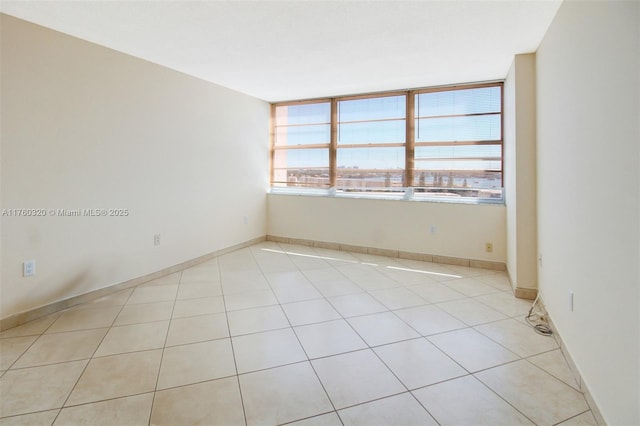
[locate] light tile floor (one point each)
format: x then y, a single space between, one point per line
277 333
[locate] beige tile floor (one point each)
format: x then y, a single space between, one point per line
276 333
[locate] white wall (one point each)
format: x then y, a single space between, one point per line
87 127
461 230
588 86
520 172
509 169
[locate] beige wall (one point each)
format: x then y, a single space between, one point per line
509 172
520 172
87 127
461 230
588 87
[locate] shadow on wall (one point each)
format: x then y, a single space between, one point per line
53 298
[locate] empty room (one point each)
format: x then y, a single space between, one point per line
320 212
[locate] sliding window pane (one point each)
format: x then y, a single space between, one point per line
372 132
465 128
303 135
493 152
303 124
301 167
301 177
458 102
370 168
371 158
296 158
456 149
458 180
311 113
378 108
457 164
371 181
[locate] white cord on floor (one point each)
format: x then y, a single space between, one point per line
542 329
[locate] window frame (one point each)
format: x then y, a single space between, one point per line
493 142
355 146
273 132
410 143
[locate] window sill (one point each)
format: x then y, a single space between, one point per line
406 195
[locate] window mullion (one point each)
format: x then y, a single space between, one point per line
272 142
459 156
333 145
409 139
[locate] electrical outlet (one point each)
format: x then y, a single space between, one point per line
156 240
246 219
488 247
28 268
432 229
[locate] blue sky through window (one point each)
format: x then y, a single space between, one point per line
444 122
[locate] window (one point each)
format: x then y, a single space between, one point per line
439 142
458 142
300 154
371 144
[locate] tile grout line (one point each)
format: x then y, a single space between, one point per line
309 418
370 349
500 396
37 337
166 337
573 417
233 351
331 266
499 343
550 373
556 378
345 319
308 361
424 337
89 359
420 336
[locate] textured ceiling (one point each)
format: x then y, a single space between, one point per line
283 50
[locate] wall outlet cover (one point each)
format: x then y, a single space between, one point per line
28 268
